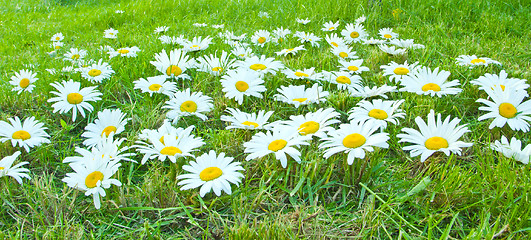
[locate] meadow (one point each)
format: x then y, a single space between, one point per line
387 194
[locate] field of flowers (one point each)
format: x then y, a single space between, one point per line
265 120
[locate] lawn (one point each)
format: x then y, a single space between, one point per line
387 194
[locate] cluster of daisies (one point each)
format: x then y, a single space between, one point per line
242 75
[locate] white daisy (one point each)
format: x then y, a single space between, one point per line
334 40
507 107
243 120
492 80
110 33
57 45
435 136
373 41
166 129
172 40
352 66
354 33
308 74
262 15
17 171
280 34
29 134
124 52
392 50
23 81
406 43
108 121
200 24
261 37
424 81
157 84
344 52
218 26
313 123
171 147
367 92
262 65
161 29
97 72
343 80
377 112
279 142
308 37
57 37
473 60
107 147
215 66
174 65
302 21
74 55
512 149
71 97
387 33
292 51
197 44
186 103
397 72
239 83
360 19
353 139
228 35
330 26
242 52
299 95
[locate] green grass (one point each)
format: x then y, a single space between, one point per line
388 195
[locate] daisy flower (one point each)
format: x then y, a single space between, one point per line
29 134
166 129
261 37
352 66
435 136
215 66
107 147
71 97
74 55
197 44
262 15
492 80
392 50
354 33
512 149
360 19
406 43
186 103
17 171
171 40
157 84
353 139
314 123
119 11
57 37
242 52
23 81
299 95
243 120
330 26
280 34
507 107
308 73
308 37
367 92
161 29
172 147
387 33
240 83
377 112
424 81
93 177
124 52
216 26
344 52
277 141
262 65
199 24
211 172
292 51
97 72
57 45
108 121
302 21
334 40
231 36
373 41
397 72
110 33
343 80
174 65
473 60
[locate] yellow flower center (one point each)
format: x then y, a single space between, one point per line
188 106
241 86
401 71
194 46
57 47
108 130
354 34
175 70
354 140
75 56
155 87
378 114
436 143
210 173
309 127
74 98
24 83
343 54
258 66
501 85
353 68
477 60
301 74
277 145
280 40
388 36
217 69
1 168
334 44
247 123
261 40
92 179
331 28
431 86
507 110
170 151
21 134
123 51
94 72
343 80
300 99
57 38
